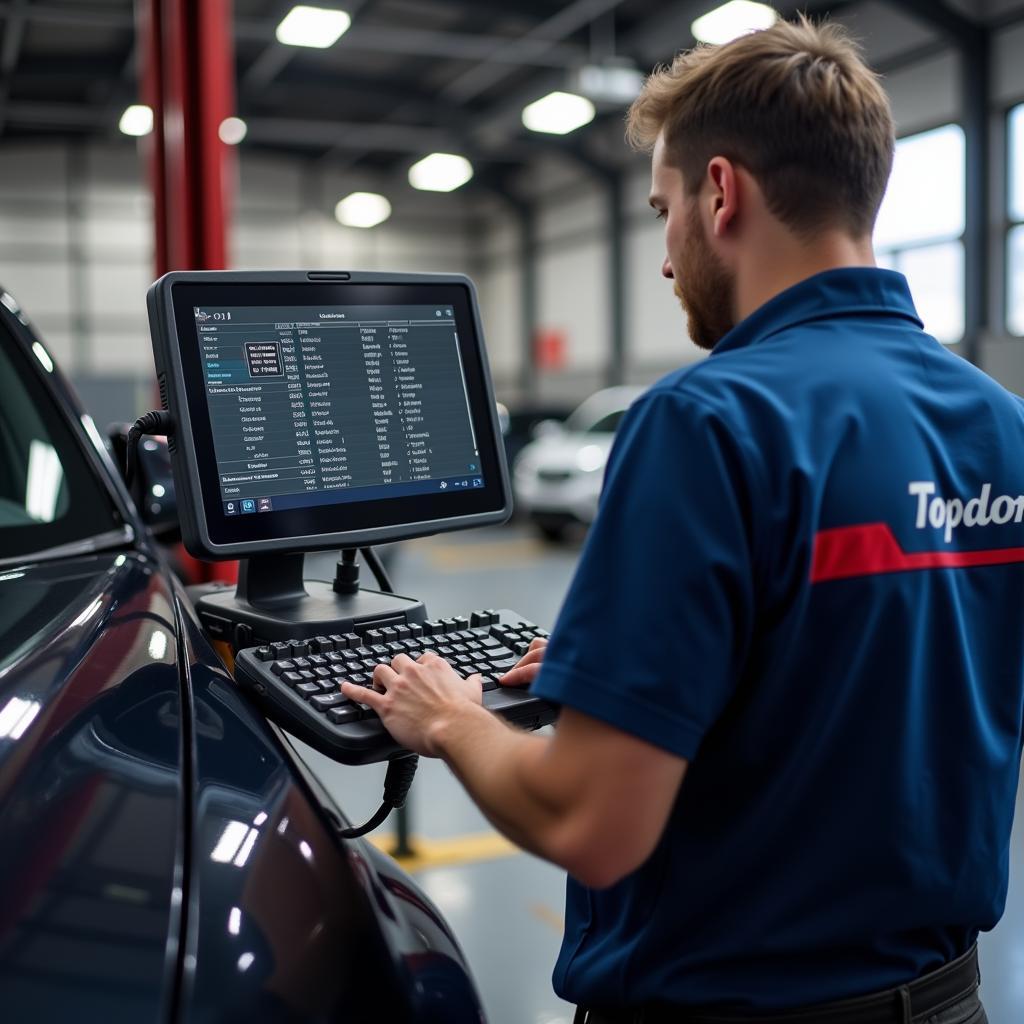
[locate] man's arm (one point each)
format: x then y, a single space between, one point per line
590 798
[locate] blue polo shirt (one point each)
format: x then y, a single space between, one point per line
806 577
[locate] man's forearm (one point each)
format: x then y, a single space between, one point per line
501 768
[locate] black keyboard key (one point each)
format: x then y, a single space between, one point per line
360 679
472 645
317 659
280 650
323 701
307 689
434 626
263 654
411 646
300 662
324 643
388 634
445 651
369 664
344 713
373 636
378 649
402 633
459 648
299 647
415 629
461 622
488 682
396 647
489 643
292 678
321 672
306 673
331 685
478 619
463 659
352 639
362 651
279 667
451 625
340 643
335 657
339 670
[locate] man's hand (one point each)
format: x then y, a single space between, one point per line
528 667
414 698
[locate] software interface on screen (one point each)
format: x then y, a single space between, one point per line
321 405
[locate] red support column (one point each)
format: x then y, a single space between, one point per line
188 79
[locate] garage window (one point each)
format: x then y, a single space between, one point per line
921 225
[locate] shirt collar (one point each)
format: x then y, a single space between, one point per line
848 291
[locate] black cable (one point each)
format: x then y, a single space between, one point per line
380 574
397 782
156 422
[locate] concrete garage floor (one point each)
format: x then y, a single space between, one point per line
505 906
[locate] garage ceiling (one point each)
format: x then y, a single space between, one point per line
409 75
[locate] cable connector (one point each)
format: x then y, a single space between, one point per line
397 782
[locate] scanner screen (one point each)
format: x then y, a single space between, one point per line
321 405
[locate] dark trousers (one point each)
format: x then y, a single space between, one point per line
946 996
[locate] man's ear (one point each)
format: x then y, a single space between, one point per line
724 198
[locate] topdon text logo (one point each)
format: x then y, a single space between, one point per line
950 513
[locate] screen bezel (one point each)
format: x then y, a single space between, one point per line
341 524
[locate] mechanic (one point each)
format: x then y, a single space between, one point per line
791 663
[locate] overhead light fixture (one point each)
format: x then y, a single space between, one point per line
558 113
731 20
318 27
137 120
232 130
440 172
609 83
362 210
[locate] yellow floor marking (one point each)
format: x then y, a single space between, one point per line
497 555
444 853
548 915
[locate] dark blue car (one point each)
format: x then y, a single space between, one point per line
163 856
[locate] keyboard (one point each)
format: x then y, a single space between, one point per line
297 683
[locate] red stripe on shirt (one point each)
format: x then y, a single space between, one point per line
871 549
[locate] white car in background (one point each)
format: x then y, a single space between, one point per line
558 475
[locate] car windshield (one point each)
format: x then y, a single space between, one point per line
49 494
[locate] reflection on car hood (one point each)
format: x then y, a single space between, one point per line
562 451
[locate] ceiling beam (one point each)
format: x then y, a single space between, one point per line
542 41
955 26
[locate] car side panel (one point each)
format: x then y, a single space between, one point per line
89 790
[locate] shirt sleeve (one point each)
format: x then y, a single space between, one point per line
654 630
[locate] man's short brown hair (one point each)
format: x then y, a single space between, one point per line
795 105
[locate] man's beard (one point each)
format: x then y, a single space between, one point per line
706 289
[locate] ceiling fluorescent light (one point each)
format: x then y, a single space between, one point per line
440 172
558 113
136 120
232 130
318 27
731 20
362 210
609 83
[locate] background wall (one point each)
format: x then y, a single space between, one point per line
76 248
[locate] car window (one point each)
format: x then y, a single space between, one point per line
607 424
49 493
